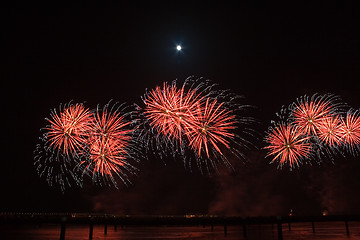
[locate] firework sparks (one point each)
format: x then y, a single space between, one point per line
62 145
168 109
58 170
350 128
288 145
210 126
101 143
81 142
109 144
194 122
316 119
329 131
68 129
310 113
107 157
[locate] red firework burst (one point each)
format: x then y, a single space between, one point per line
210 126
69 129
350 128
108 142
309 114
329 131
168 109
287 144
107 156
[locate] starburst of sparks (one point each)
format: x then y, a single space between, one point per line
310 113
210 125
288 145
79 142
68 129
168 109
107 156
109 143
195 120
350 128
321 119
329 131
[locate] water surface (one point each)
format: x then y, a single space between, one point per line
299 231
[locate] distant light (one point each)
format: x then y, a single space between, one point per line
178 47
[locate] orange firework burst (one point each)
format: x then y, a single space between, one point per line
169 108
329 131
109 143
310 113
69 129
350 128
287 144
195 120
107 156
210 126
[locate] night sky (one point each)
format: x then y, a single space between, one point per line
270 54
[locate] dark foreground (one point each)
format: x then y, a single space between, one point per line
299 231
88 226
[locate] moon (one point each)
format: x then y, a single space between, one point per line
178 47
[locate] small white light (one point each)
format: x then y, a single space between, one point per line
178 47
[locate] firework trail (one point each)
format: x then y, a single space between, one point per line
194 118
288 145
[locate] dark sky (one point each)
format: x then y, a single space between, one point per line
271 54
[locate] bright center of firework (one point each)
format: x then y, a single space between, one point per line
68 132
204 128
178 47
288 145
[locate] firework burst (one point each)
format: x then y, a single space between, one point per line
68 129
329 131
318 119
79 142
62 145
194 118
168 109
350 130
166 114
211 125
110 145
287 145
309 113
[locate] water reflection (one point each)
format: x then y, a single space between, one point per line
297 231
